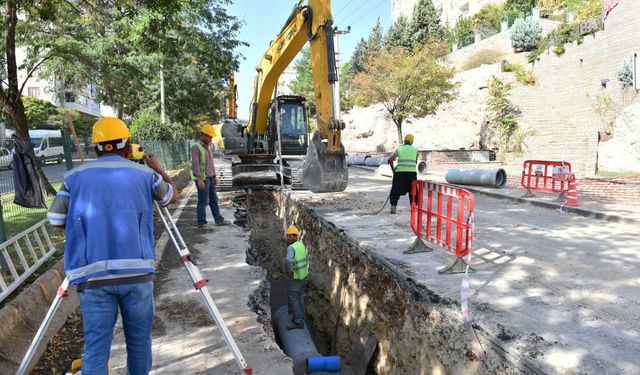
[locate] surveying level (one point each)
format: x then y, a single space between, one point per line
194 273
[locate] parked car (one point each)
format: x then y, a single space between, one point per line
47 145
6 158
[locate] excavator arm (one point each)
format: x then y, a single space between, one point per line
325 168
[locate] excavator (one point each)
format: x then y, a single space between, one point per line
280 126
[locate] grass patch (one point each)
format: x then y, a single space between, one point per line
524 76
18 218
617 174
483 57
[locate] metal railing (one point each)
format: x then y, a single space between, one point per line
17 264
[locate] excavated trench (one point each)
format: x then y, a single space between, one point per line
360 306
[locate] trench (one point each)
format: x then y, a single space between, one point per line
359 306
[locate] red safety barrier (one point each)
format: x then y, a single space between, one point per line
442 214
547 176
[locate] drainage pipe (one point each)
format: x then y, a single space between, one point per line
376 161
297 343
357 159
480 177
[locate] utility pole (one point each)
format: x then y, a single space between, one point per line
336 43
162 110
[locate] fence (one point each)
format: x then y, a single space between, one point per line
547 176
442 214
173 154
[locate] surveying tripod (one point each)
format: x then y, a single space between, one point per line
198 282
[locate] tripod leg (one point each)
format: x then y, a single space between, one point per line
28 357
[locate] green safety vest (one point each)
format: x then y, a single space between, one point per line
299 264
203 162
407 156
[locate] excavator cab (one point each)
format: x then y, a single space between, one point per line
291 113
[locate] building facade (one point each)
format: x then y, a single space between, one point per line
450 10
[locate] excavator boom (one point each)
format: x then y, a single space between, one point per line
325 167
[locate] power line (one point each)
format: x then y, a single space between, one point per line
343 8
354 11
367 13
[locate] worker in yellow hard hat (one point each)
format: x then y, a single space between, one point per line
106 208
203 173
297 272
405 171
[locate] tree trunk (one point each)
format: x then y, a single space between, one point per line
398 122
11 101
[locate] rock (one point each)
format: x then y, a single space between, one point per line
622 151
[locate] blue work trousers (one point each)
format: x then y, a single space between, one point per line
99 312
208 196
295 293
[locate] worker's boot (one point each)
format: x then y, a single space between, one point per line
393 210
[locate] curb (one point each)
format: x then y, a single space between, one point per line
573 210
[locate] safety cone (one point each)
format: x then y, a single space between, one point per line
572 193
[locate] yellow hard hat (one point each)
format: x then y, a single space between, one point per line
408 138
137 152
109 129
209 130
293 230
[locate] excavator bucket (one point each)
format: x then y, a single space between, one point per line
322 171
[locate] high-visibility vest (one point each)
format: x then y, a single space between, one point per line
299 264
203 162
407 156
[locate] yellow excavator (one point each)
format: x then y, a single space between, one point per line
282 122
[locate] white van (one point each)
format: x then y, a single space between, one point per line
47 145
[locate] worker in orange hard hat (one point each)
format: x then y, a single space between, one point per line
106 209
203 173
405 171
297 272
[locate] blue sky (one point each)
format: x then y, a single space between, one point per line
263 19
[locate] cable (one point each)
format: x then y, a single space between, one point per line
367 13
381 208
343 8
352 13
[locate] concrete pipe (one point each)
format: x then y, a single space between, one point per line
296 343
480 177
376 161
357 159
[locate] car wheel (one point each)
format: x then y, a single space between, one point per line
60 158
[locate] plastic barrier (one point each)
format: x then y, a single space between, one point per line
442 214
547 176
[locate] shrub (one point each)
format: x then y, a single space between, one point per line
524 76
485 56
461 34
625 75
146 125
487 20
521 6
503 113
525 34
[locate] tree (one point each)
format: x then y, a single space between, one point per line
398 34
462 33
375 40
303 83
425 24
406 83
147 125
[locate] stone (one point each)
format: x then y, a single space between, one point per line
622 151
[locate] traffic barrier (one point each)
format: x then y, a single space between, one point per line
572 193
442 214
546 176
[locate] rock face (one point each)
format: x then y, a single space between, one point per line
622 152
456 125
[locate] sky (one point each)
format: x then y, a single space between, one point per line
263 19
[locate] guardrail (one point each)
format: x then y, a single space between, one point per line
16 264
546 176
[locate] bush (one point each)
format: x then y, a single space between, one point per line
521 6
461 34
146 125
487 20
485 56
524 76
625 75
525 34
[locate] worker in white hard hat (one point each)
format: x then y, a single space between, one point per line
405 171
297 272
203 173
106 208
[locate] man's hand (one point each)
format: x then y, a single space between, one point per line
153 162
200 184
215 179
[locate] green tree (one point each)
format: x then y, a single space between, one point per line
425 24
360 57
398 34
504 118
406 83
147 125
461 34
375 40
521 6
303 83
487 20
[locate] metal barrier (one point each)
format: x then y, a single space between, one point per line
443 215
547 176
20 264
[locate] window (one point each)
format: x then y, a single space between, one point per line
53 142
69 97
33 91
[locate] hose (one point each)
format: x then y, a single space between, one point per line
381 208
